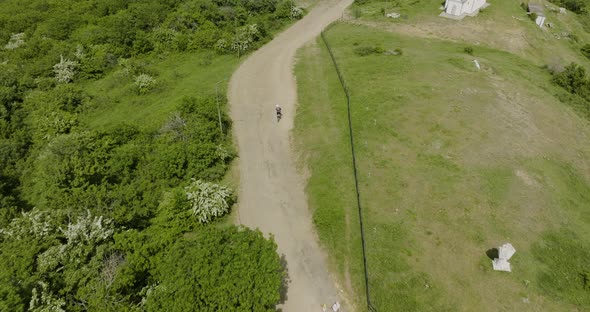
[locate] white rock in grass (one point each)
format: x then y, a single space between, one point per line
506 251
501 265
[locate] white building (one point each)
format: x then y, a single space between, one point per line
463 7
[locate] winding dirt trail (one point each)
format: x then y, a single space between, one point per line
271 195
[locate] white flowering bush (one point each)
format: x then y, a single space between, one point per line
222 152
144 83
16 40
50 259
46 302
244 39
164 39
82 236
296 12
36 223
208 200
221 45
89 230
79 54
65 70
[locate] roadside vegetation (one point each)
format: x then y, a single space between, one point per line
452 161
114 145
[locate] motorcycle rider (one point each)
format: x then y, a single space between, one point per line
278 110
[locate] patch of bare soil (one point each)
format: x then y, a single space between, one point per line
472 31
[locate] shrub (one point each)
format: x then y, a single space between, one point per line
209 270
368 50
144 83
296 12
574 80
586 279
16 40
208 200
533 16
576 6
399 51
586 50
468 50
65 70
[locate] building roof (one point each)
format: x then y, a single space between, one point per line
537 9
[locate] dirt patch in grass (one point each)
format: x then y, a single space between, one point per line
512 39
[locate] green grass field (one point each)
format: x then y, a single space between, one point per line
177 75
452 162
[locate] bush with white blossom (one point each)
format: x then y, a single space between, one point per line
208 200
65 70
144 83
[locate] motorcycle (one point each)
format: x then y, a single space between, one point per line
279 113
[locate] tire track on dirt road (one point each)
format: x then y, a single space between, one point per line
271 194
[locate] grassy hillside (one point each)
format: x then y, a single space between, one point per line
177 76
452 161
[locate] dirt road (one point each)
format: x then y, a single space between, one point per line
271 195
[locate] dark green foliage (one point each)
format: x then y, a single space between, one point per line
468 50
368 50
574 80
533 16
132 176
118 171
577 6
586 50
585 275
226 269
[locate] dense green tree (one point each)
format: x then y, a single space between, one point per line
573 79
218 269
123 181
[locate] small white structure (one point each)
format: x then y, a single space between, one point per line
505 252
463 7
477 64
538 12
393 15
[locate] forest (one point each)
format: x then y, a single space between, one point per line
124 217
